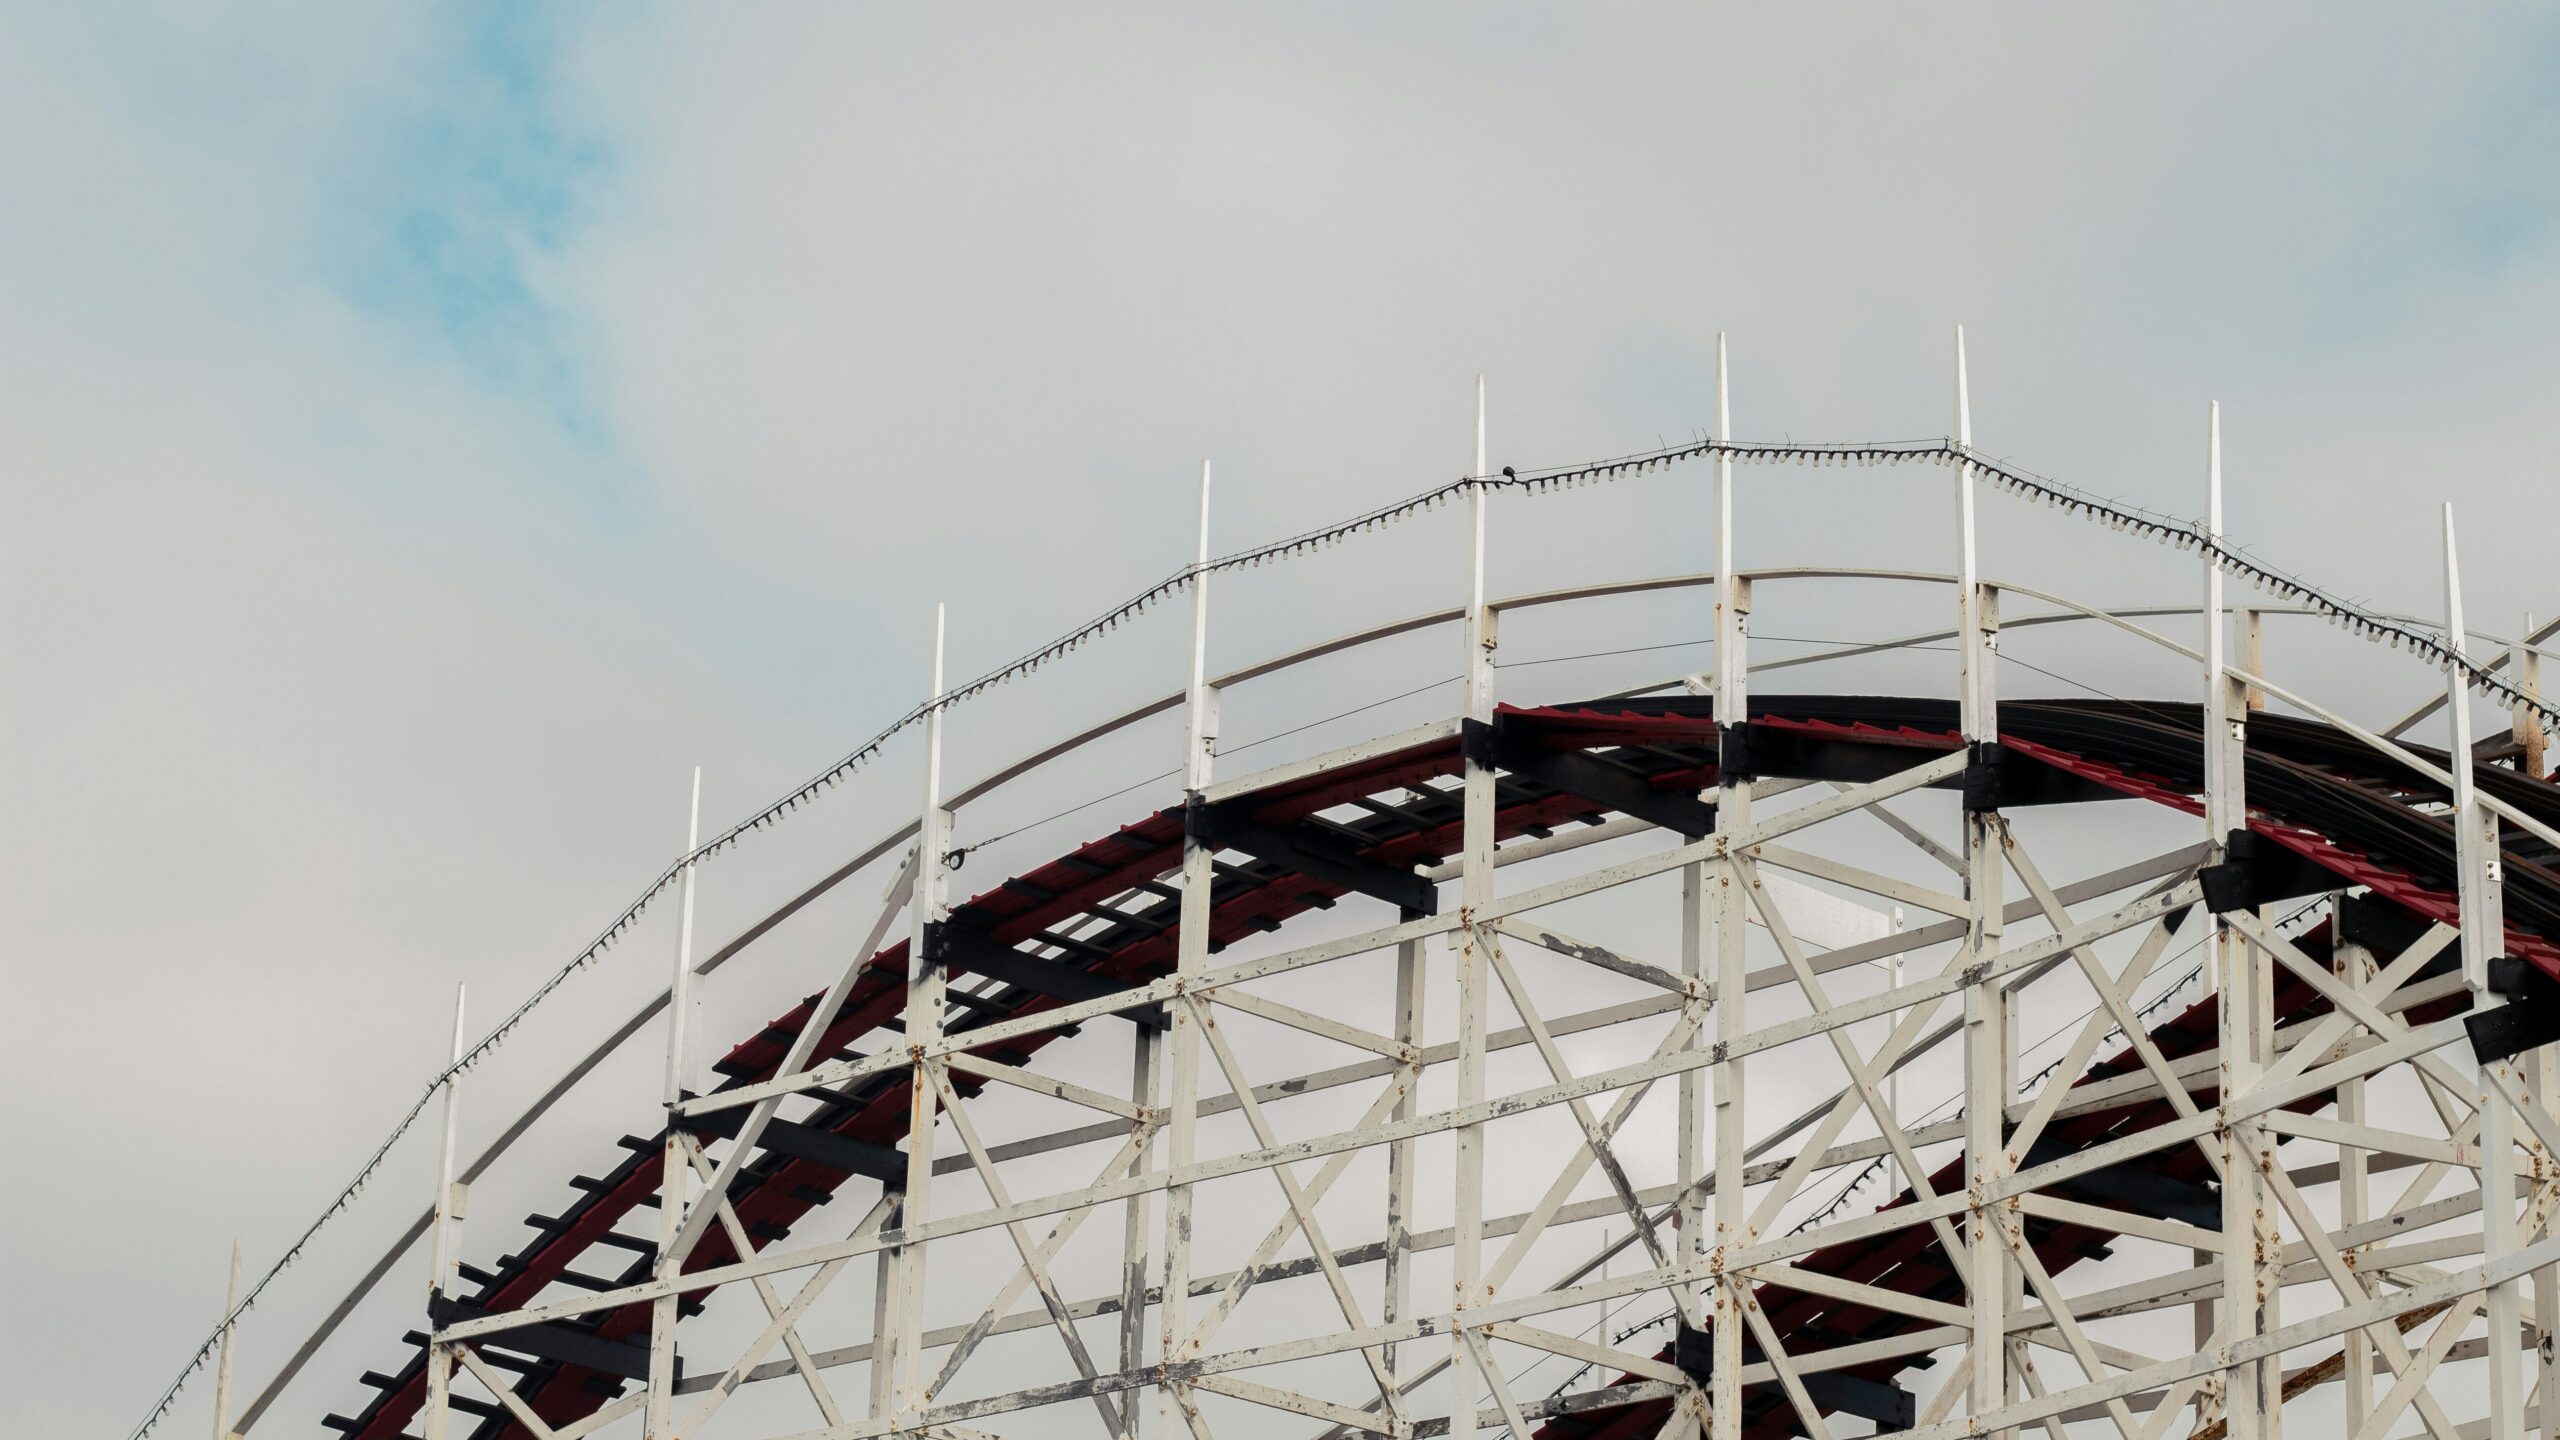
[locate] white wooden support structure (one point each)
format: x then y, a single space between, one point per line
2383 1222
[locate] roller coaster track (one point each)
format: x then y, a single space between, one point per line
2327 813
2415 850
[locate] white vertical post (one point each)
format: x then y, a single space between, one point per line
684 1001
2224 808
1201 725
2543 1085
2524 667
444 1243
1147 1043
1475 890
1689 1217
1974 672
1727 928
2484 933
2355 966
2250 700
1191 958
1988 1043
926 979
884 1318
1411 973
2225 967
675 1177
1894 1178
2252 1392
2209 1397
2253 651
222 1362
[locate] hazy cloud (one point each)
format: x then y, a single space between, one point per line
423 435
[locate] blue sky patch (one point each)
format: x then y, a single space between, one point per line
443 202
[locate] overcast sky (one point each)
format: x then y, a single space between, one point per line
424 433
